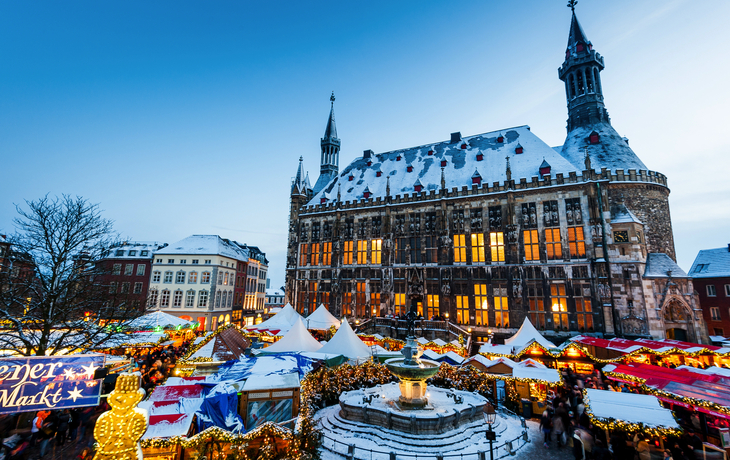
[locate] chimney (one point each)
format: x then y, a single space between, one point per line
367 154
728 246
455 137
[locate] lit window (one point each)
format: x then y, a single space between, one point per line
177 298
501 307
462 309
140 270
347 253
459 248
203 299
576 242
303 254
559 306
315 254
192 277
582 297
481 305
225 279
532 248
205 278
190 299
180 277
711 292
400 304
375 251
326 254
496 246
477 248
156 277
128 269
432 305
165 298
715 313
552 244
362 248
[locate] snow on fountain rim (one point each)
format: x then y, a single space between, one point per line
438 400
392 361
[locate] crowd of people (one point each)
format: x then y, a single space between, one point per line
566 424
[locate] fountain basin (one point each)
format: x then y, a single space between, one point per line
380 406
412 380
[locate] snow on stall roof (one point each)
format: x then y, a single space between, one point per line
297 339
629 407
712 370
282 321
460 165
711 263
207 244
346 342
206 351
526 334
536 373
658 264
168 426
321 318
271 382
157 318
439 342
175 392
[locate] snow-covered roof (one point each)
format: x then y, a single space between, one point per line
346 342
536 373
157 319
133 250
712 370
297 339
274 291
168 425
629 408
711 263
271 382
321 318
207 245
611 152
526 334
620 214
658 264
282 321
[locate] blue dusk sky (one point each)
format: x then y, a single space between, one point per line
185 118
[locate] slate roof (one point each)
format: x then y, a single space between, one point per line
711 263
657 265
207 244
611 152
621 214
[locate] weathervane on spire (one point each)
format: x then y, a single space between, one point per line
571 5
332 98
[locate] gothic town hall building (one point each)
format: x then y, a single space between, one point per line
487 229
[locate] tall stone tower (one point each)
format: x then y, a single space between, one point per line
330 144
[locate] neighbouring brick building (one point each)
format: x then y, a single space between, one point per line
710 274
491 228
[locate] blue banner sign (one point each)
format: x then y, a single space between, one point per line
49 382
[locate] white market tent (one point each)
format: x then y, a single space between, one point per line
297 339
526 335
321 318
346 342
629 408
157 319
282 321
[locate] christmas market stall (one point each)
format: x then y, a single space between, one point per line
700 399
629 412
297 339
345 342
225 344
322 319
279 324
526 341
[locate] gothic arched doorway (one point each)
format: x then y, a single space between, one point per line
677 334
677 321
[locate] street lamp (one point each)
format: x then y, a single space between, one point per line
490 415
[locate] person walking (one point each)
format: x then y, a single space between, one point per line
73 425
64 419
546 425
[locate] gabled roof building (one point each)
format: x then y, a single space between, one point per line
491 228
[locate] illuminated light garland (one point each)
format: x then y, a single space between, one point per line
614 424
396 344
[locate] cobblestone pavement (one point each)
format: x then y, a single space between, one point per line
535 450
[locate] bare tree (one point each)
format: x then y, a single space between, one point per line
52 293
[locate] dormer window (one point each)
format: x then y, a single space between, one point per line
322 200
370 163
594 138
379 173
430 152
418 187
350 177
443 163
579 47
480 156
398 158
463 146
544 168
518 149
409 168
366 193
500 139
476 178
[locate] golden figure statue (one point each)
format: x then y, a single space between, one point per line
119 430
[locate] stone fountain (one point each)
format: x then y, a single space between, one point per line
412 373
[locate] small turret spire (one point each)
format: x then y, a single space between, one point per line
571 5
330 144
330 131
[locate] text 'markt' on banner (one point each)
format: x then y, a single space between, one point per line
34 383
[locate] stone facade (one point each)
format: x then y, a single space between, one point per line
569 245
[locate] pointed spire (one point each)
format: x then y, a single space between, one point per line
298 183
576 34
331 130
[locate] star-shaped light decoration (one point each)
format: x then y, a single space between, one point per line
69 373
89 370
75 393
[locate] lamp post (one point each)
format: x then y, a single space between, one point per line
490 415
